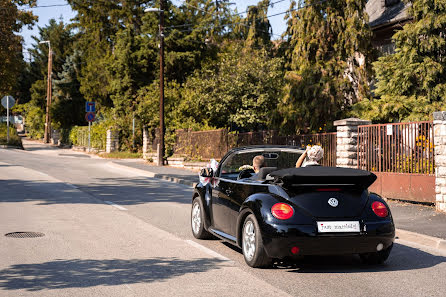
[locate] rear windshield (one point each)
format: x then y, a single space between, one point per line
280 159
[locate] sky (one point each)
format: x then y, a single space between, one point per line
65 13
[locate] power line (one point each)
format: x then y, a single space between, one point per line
222 25
240 23
271 4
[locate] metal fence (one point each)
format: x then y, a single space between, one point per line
399 148
215 143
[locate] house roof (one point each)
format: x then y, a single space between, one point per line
380 14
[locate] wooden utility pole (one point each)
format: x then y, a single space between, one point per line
162 128
47 136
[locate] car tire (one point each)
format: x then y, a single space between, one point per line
252 244
376 257
197 220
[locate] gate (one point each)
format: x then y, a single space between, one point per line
402 156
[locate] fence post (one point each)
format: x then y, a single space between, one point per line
112 143
440 159
347 141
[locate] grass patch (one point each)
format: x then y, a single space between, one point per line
121 155
14 138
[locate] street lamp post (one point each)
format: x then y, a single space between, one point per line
47 135
161 32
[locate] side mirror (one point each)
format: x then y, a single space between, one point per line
207 172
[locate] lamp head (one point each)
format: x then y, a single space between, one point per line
151 9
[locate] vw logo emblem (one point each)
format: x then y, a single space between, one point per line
333 202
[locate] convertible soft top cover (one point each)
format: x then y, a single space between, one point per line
319 175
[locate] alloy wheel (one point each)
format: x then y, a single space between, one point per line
249 240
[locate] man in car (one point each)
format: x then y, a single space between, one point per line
258 162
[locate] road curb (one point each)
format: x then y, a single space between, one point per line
148 173
426 240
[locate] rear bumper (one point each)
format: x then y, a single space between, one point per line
278 244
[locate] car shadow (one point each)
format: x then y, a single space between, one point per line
123 191
77 273
401 258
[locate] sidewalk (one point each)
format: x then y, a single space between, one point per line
414 222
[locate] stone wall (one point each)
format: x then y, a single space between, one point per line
112 144
440 159
347 141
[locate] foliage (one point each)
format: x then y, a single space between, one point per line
34 121
256 28
121 155
412 82
14 138
68 105
12 19
220 97
329 59
98 135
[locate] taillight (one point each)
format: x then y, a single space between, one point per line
282 211
380 209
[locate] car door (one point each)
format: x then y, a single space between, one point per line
221 205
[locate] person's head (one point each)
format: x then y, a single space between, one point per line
315 153
258 162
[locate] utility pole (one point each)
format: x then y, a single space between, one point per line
161 46
47 135
162 128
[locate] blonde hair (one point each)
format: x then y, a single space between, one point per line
258 162
315 153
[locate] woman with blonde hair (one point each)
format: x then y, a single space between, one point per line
314 155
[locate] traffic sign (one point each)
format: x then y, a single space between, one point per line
90 116
90 106
5 101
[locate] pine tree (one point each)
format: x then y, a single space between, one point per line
255 27
329 62
411 83
68 108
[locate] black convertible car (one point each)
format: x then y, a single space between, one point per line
283 211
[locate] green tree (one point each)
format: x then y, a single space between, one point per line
255 28
329 65
220 97
12 20
68 108
411 83
61 40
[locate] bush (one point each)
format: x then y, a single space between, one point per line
79 135
14 138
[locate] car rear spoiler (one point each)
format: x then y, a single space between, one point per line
314 176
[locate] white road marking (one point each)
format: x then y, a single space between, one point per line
207 251
115 205
71 186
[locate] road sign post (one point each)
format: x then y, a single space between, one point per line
89 116
89 136
7 102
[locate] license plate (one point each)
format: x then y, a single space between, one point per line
340 226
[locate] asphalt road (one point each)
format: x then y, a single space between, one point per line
115 232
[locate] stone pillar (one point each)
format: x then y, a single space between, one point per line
145 143
347 141
112 144
440 159
55 137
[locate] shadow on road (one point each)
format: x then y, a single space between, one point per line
401 258
61 274
123 191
